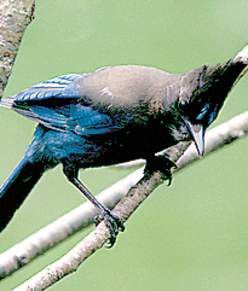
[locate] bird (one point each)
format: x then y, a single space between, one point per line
113 115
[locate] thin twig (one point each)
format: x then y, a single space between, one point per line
131 164
226 133
22 253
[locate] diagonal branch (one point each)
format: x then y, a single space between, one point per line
226 133
14 18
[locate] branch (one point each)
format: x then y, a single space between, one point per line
14 18
226 133
22 253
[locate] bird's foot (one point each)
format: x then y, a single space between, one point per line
114 224
162 164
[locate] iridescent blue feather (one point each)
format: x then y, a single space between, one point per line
72 116
59 87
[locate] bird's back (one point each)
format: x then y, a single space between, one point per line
124 85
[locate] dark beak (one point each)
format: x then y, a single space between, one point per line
197 133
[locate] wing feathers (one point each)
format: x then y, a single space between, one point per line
56 104
59 87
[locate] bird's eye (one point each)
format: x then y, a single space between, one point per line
204 111
212 116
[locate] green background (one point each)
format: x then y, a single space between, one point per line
192 236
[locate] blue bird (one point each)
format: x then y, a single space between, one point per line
113 115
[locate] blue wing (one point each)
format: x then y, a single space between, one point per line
62 87
75 117
57 104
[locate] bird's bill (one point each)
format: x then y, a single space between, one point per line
197 133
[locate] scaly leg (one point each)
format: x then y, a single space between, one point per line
113 223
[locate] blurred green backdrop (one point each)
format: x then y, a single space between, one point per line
192 236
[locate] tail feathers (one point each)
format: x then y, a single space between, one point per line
16 188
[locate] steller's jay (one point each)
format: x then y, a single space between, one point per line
113 115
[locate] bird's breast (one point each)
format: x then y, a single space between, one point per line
130 143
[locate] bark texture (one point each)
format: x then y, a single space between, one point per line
14 18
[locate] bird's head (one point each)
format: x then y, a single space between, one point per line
203 93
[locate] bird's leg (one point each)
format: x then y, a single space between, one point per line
160 163
113 222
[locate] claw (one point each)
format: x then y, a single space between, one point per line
97 219
167 176
162 164
114 224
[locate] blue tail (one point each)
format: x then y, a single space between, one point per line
17 187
